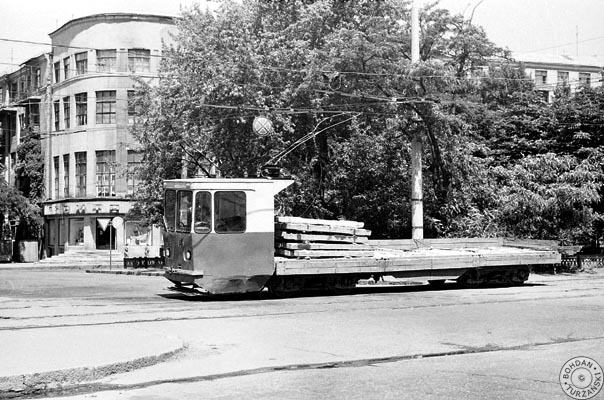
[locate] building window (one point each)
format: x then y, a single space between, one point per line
34 114
540 77
544 94
584 78
38 78
80 173
66 66
66 112
134 161
66 175
56 180
562 77
134 107
81 100
105 173
105 60
81 63
57 72
138 60
105 107
56 107
13 92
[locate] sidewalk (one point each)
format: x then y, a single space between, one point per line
118 269
33 359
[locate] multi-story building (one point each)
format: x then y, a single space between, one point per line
89 149
78 100
550 72
21 100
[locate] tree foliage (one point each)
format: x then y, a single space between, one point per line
21 203
338 74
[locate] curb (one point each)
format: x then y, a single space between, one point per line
143 272
39 383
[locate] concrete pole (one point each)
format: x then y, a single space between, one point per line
417 204
414 32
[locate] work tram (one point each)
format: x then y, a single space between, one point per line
222 237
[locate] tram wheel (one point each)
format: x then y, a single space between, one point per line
341 285
518 277
470 279
284 287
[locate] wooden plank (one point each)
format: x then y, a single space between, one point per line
298 220
324 253
418 262
322 246
312 228
304 237
532 244
444 243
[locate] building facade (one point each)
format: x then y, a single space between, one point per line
90 153
21 101
551 72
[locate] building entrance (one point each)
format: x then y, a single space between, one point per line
105 234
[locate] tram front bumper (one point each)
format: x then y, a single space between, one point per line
182 275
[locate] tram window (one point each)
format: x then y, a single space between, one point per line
170 209
183 218
230 212
203 212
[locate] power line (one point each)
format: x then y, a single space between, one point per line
566 44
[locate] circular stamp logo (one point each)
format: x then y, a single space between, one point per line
581 378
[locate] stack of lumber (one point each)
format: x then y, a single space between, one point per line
318 238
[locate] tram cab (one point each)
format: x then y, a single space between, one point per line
219 235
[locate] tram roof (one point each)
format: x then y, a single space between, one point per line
251 184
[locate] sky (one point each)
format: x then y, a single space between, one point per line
556 27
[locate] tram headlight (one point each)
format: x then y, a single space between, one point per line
187 255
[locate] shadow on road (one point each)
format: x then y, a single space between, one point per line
358 291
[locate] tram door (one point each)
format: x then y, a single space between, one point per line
105 234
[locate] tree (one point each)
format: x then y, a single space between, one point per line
21 209
335 78
29 170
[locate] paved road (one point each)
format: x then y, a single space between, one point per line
409 342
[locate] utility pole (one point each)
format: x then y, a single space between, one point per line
417 204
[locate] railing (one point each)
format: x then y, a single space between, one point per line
582 262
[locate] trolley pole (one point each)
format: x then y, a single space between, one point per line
417 204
